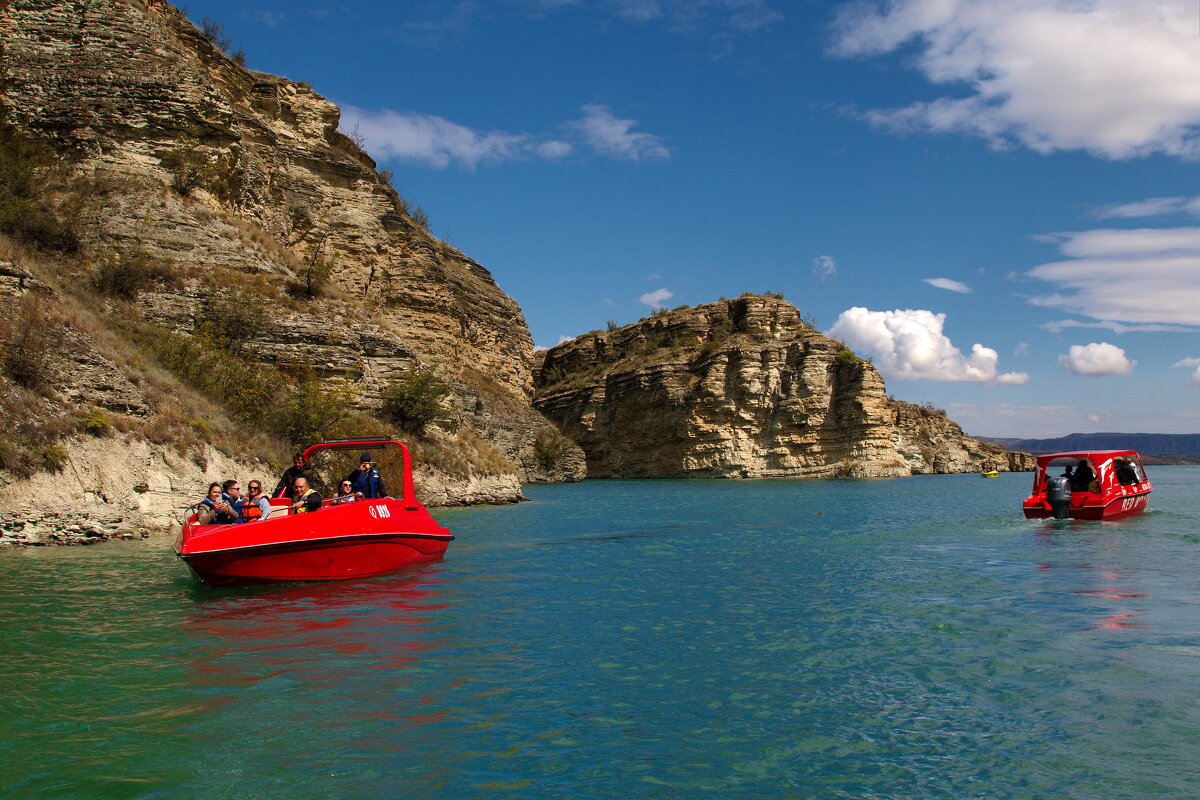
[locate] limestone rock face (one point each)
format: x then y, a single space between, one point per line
931 442
117 487
242 183
739 388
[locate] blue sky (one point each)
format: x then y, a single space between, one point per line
995 199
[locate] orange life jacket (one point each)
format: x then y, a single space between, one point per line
251 511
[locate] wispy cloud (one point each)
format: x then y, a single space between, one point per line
271 19
948 284
910 343
1057 326
1140 276
1194 379
1096 360
657 298
438 142
1150 207
825 268
1112 77
609 135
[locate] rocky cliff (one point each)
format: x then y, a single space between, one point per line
206 198
741 388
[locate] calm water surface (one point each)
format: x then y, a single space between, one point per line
910 638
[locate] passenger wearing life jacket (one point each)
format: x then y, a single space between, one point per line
214 509
366 480
231 493
346 494
255 506
306 499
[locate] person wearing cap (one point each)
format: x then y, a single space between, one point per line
366 480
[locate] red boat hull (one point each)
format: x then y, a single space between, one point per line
1107 498
1114 508
356 540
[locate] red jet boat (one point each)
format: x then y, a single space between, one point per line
1117 487
338 542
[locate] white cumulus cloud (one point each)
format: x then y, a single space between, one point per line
1116 78
911 344
825 268
656 298
948 284
1096 360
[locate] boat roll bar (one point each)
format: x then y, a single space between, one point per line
410 494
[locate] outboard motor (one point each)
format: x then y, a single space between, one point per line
1058 495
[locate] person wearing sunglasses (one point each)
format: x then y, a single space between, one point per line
255 506
346 494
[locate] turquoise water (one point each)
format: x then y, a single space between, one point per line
910 638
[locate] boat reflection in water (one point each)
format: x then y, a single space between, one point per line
340 651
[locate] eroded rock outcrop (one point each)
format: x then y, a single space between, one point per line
741 388
238 185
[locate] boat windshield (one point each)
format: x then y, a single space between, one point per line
1136 463
331 466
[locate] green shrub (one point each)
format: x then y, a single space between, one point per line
313 411
30 341
95 422
232 314
414 400
208 361
189 164
25 169
127 275
846 357
54 457
312 277
548 447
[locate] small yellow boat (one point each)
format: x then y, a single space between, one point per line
991 473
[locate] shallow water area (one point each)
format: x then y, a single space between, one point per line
911 638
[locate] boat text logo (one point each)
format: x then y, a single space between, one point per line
1132 502
379 511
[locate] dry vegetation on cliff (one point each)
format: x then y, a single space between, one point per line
204 262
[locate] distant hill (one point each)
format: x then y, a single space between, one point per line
1168 447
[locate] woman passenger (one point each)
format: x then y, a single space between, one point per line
213 509
346 494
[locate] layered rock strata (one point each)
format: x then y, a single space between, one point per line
239 184
741 389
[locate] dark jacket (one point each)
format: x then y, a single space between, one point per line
312 501
208 514
1082 479
289 477
368 482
